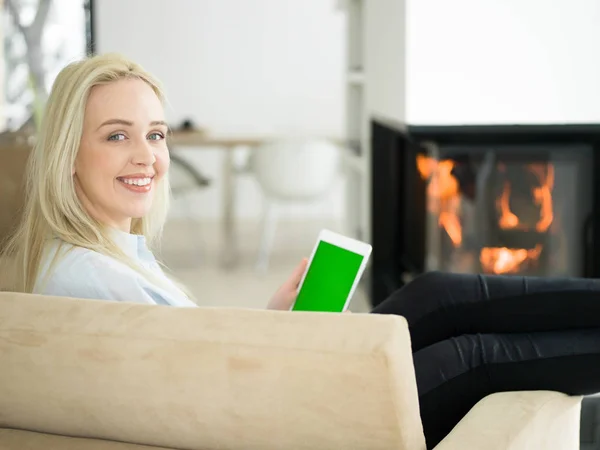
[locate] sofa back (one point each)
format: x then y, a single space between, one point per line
207 378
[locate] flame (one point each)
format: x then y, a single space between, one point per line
444 201
543 194
443 188
507 218
502 260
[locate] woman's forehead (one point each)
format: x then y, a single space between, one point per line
130 99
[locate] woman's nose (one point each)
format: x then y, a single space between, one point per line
144 154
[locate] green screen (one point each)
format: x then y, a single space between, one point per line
329 279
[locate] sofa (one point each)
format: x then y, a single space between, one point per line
87 375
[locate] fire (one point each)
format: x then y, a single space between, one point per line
444 200
542 196
507 218
442 190
502 260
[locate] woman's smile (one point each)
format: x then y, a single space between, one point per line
138 183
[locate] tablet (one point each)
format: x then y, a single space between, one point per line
334 269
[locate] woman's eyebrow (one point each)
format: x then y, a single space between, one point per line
116 122
129 123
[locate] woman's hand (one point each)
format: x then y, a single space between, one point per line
286 295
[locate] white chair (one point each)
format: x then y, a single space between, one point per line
291 170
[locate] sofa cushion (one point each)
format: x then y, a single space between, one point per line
207 378
31 440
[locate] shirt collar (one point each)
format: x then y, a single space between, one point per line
130 244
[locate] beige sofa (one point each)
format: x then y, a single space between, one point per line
82 374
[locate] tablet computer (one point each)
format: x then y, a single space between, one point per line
334 269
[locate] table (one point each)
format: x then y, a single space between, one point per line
200 139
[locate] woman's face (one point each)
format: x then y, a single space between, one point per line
123 152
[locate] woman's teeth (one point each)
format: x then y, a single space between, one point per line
137 181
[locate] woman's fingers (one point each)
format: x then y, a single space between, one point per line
298 272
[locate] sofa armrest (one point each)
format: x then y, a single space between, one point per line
519 421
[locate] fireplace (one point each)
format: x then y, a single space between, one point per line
512 200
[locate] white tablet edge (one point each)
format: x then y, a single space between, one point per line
353 245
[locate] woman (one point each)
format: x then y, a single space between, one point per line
98 191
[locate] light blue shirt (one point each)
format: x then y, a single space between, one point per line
84 273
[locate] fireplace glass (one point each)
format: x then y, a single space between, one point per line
508 209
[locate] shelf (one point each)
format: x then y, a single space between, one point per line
355 36
356 77
354 162
354 147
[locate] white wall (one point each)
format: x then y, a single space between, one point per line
503 61
385 26
237 66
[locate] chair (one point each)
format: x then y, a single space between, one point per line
14 154
290 170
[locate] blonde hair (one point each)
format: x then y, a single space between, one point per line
52 208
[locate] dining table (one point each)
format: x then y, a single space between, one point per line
229 144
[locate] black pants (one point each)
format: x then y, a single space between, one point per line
473 335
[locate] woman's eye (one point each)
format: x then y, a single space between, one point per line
156 136
116 137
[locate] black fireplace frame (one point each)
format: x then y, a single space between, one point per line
399 241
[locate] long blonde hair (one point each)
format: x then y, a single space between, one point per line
52 208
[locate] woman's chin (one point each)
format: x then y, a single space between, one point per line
137 213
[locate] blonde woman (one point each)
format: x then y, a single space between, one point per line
98 191
98 194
